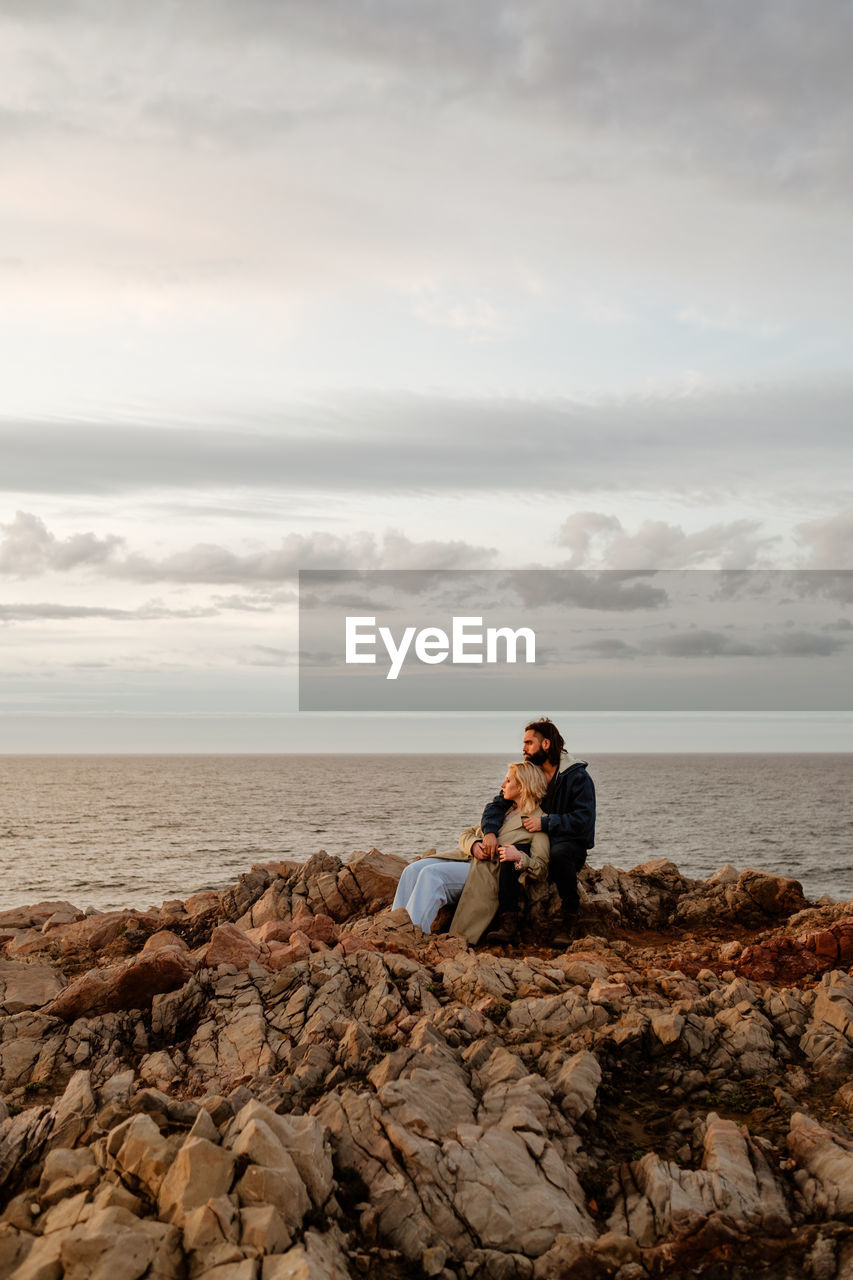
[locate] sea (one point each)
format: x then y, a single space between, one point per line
133 831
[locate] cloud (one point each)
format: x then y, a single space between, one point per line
806 644
355 443
248 604
67 612
611 647
28 548
595 539
828 542
267 656
211 563
609 591
701 644
762 99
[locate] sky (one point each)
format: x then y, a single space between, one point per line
286 285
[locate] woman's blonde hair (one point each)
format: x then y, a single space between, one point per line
532 781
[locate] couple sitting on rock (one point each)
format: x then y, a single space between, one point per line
541 823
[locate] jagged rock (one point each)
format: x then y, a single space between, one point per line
65 1172
420 1141
371 879
778 960
577 1083
200 1171
27 986
297 948
158 1069
744 1038
203 904
827 1161
271 930
234 1039
833 945
449 1108
263 1137
646 896
164 938
230 945
236 901
129 985
755 895
657 1199
263 1229
14 1247
302 1139
828 1037
113 1244
320 1257
22 1139
122 931
72 1115
555 1016
388 930
36 916
141 1154
41 1261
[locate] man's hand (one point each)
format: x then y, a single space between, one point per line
490 844
479 852
532 824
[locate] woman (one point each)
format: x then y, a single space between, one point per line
429 884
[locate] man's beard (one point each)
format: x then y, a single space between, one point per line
538 757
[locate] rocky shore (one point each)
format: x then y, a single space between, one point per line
287 1080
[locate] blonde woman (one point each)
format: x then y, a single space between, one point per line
431 883
492 886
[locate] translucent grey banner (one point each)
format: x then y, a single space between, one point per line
539 639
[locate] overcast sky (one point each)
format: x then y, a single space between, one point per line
357 284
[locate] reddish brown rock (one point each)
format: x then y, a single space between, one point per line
372 877
833 945
203 903
778 960
230 945
298 948
319 928
776 895
350 943
164 938
271 931
132 984
34 917
120 932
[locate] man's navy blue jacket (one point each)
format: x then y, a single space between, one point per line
569 819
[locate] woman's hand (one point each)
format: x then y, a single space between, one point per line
480 852
532 824
509 853
490 844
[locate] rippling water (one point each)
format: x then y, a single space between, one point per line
108 831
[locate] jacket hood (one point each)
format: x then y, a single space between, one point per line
568 762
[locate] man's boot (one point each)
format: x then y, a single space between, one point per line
507 928
568 930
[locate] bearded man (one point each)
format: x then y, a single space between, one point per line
569 822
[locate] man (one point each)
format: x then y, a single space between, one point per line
569 806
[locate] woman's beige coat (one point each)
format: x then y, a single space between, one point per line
479 902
